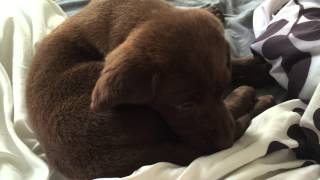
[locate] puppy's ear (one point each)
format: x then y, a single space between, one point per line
217 12
127 79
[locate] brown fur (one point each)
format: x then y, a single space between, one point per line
154 76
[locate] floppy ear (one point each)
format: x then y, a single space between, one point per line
217 12
126 79
222 68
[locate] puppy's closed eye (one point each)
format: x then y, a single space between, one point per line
189 103
184 106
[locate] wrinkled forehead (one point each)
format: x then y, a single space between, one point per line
189 44
192 34
182 25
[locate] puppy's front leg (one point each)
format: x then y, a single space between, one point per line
251 71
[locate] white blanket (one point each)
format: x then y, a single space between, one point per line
22 24
269 148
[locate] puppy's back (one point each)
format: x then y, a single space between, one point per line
79 143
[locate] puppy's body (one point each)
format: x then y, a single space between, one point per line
158 60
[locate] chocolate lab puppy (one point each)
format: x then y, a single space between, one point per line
129 83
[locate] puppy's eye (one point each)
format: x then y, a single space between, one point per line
184 106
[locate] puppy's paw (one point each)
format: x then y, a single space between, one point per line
243 122
263 103
241 100
244 92
242 95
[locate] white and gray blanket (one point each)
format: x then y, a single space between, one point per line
281 143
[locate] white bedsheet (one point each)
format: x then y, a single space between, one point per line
22 24
277 131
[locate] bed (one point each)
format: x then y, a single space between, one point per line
281 143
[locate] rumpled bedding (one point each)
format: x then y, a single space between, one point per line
22 25
281 143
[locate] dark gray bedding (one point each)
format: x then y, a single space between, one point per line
72 6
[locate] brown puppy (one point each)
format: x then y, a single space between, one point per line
154 77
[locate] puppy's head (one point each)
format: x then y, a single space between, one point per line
177 63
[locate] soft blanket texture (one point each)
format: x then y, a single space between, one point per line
281 143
